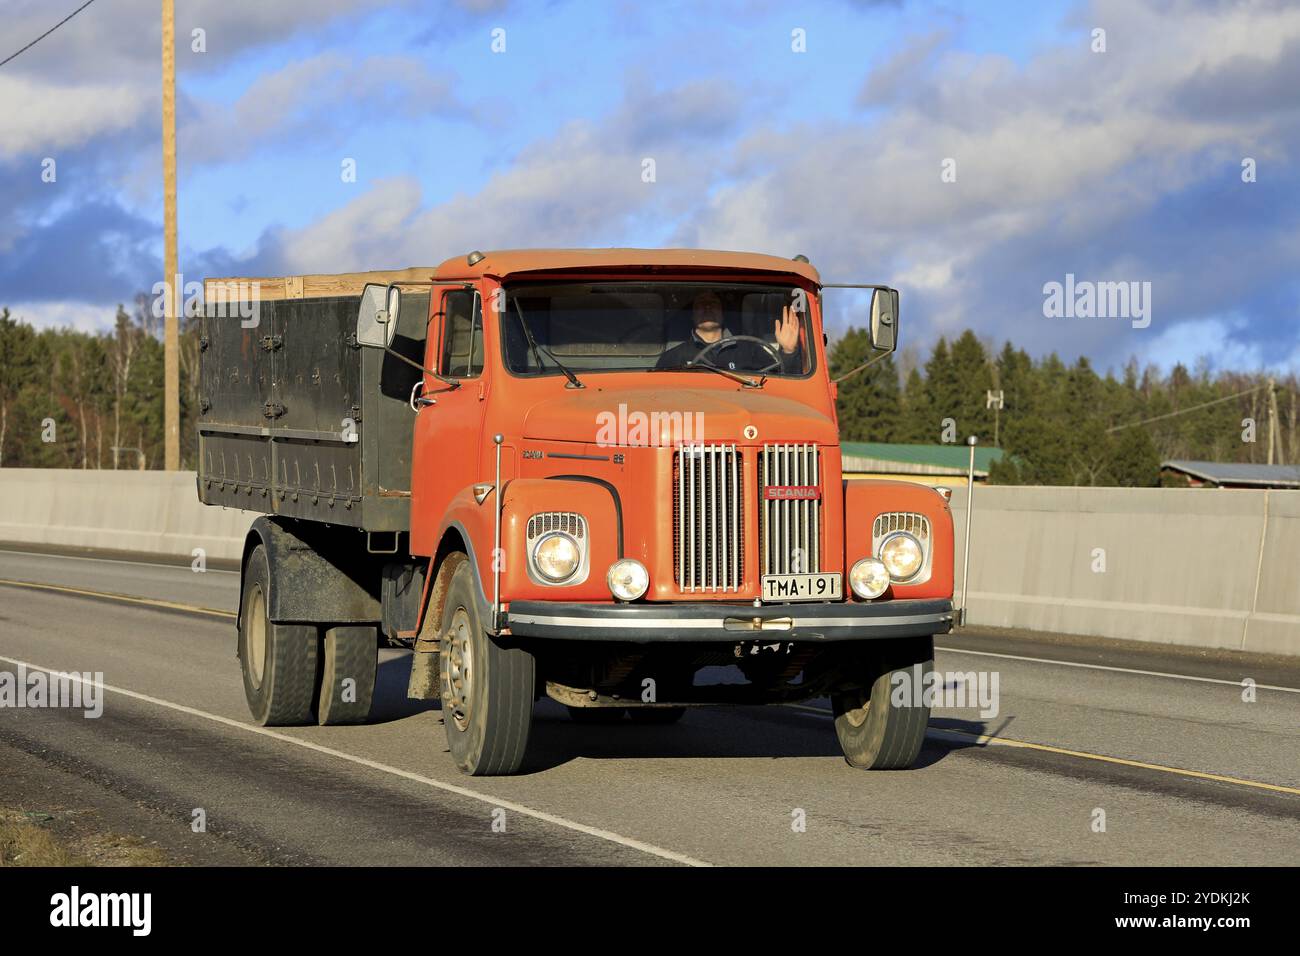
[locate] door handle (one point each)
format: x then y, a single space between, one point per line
419 401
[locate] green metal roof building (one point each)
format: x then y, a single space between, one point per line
929 464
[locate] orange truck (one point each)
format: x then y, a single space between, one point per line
608 477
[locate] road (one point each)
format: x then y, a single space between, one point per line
1162 744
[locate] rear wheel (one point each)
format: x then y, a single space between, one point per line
656 716
278 660
487 689
877 729
348 677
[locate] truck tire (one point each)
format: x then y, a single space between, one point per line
487 689
874 733
278 660
351 653
656 716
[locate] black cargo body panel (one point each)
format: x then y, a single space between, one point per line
297 420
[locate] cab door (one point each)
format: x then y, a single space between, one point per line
448 445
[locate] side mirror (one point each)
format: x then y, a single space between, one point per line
884 319
377 316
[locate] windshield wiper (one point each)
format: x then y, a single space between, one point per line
690 366
538 349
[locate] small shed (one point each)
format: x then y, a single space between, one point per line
1232 474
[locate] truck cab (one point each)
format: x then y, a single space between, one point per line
624 474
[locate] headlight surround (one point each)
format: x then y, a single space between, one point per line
628 579
557 557
869 578
902 555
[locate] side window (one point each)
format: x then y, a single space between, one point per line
462 337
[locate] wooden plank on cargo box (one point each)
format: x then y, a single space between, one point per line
269 288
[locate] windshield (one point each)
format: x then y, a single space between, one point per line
620 326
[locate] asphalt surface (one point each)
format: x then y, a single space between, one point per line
1184 770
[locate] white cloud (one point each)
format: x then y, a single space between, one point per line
82 316
1221 342
1062 165
41 119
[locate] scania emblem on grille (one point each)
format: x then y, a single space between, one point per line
792 493
751 432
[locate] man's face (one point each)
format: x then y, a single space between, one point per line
707 315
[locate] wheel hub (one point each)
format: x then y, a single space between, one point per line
458 669
257 637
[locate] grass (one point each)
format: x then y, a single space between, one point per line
33 838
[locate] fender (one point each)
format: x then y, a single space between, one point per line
525 497
453 538
320 574
473 522
864 499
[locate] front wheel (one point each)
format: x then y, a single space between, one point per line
882 726
487 689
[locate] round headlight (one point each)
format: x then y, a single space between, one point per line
869 578
556 556
903 555
627 579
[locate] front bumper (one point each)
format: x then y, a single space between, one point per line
710 622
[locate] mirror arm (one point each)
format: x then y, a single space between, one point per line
454 383
866 364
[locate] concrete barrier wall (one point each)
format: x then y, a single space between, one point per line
1201 567
152 511
1195 566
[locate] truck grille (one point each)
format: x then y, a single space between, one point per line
708 518
790 504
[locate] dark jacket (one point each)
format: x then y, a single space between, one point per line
742 356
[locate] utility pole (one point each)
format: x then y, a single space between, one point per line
171 330
1272 418
994 400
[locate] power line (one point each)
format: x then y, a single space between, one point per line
47 32
1184 411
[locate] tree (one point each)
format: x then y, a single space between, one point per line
1134 462
868 402
972 378
17 368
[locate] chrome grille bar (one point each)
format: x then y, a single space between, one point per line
791 522
709 527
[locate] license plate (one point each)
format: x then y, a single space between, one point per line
801 587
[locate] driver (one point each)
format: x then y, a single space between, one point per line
706 318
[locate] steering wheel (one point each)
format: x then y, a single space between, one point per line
776 356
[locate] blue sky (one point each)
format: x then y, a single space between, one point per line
1122 165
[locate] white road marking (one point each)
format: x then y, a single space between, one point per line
986 740
1122 670
608 835
142 564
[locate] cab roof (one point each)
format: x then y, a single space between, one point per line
507 262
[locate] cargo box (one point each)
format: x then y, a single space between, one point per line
296 419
